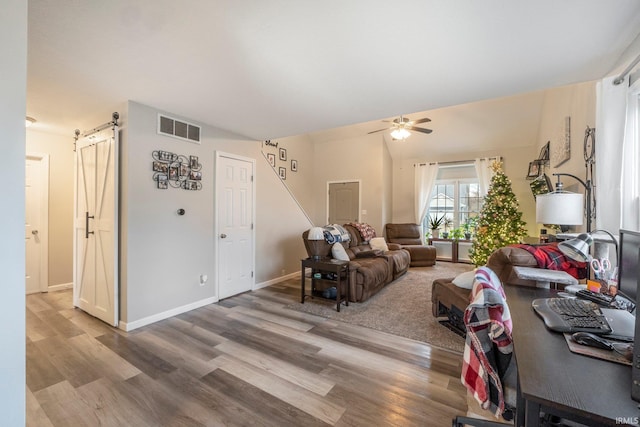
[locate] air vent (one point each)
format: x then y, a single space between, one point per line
178 129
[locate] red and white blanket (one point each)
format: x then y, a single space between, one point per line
366 231
488 346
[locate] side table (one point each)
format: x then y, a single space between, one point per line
326 265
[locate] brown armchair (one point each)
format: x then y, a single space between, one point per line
408 236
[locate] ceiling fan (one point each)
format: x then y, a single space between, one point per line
401 126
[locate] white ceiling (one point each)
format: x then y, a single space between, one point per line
275 68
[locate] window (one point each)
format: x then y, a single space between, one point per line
630 191
456 195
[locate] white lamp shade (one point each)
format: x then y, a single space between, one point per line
560 208
315 233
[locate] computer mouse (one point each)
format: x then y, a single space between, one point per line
591 340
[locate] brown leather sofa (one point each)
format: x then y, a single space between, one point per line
408 236
450 301
367 274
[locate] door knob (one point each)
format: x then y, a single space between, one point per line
34 232
223 236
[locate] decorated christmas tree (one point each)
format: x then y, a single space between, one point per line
500 222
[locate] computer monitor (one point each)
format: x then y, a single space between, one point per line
628 278
629 263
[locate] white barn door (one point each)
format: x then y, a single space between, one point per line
95 271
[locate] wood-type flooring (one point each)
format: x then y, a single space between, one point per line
245 361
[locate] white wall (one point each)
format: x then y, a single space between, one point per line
300 149
352 159
578 102
163 254
13 84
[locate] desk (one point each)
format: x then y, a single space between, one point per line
553 379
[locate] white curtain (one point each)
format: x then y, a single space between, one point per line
425 178
485 173
611 119
629 182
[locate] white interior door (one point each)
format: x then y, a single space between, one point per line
344 202
235 219
36 222
95 273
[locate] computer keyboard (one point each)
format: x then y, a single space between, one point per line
571 315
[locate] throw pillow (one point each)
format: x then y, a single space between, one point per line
465 280
379 243
338 252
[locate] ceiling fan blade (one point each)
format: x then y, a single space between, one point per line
424 120
379 130
420 129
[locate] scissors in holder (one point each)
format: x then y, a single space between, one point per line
601 267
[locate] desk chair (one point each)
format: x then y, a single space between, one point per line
489 371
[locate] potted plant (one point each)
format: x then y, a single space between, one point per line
470 226
448 222
434 224
457 233
466 228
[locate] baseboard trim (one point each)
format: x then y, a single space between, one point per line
130 326
276 280
60 287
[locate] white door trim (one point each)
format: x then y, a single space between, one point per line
43 232
216 229
344 181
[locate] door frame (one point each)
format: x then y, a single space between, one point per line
43 232
345 181
216 226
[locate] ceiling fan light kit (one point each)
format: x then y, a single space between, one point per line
400 128
400 133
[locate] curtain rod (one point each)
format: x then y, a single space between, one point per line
626 71
455 162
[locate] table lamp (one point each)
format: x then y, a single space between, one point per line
578 248
316 242
560 208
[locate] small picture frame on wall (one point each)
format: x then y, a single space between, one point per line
283 154
163 184
173 173
184 169
294 166
193 162
195 175
283 173
160 167
272 159
534 170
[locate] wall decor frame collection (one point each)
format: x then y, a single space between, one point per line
176 170
281 157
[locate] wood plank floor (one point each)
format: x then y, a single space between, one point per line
244 361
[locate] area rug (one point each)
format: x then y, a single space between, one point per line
403 307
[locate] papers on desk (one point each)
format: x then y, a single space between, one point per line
599 353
